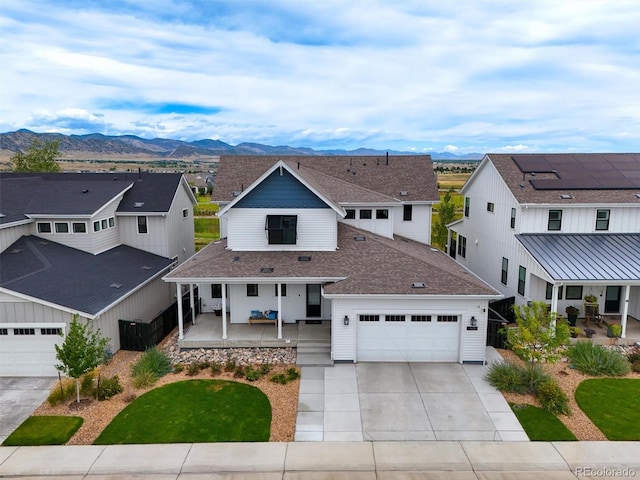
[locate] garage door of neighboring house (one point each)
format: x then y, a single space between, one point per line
408 338
27 349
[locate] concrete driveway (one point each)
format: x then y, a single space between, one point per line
402 401
19 397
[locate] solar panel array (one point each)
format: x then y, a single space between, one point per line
599 171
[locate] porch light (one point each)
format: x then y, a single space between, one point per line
473 322
346 320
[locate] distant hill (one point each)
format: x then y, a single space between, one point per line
96 145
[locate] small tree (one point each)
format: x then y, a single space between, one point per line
446 215
40 157
539 335
82 351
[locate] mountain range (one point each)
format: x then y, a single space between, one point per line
97 145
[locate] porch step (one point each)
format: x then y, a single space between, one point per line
313 354
314 347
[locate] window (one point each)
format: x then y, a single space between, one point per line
112 222
44 227
142 225
522 277
61 227
549 292
4 331
79 227
462 246
216 290
24 331
50 331
369 318
394 318
185 213
467 206
351 214
447 318
281 229
252 289
283 289
555 220
104 224
602 219
513 218
574 292
505 270
420 318
407 213
96 226
490 207
365 214
382 214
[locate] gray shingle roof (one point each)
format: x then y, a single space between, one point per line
584 257
376 265
74 279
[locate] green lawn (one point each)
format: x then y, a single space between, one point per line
44 430
207 230
613 405
193 411
540 425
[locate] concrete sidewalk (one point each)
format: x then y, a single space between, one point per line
324 460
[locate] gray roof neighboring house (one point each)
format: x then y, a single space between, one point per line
364 264
586 257
407 178
49 272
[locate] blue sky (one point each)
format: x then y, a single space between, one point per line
413 75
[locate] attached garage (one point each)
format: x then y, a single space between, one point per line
408 338
28 349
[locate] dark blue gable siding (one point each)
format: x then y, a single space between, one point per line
281 191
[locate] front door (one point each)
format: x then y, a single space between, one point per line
612 300
313 300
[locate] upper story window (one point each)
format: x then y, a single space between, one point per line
382 214
513 218
490 207
467 206
185 213
96 226
112 222
407 213
351 214
602 219
62 227
142 224
44 227
462 246
365 214
79 227
505 271
522 280
281 229
555 220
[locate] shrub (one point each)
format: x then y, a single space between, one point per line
178 368
193 369
634 356
280 378
204 365
87 385
108 387
507 377
597 360
216 368
534 374
293 374
552 398
154 361
635 366
265 368
239 372
229 366
144 379
252 374
62 391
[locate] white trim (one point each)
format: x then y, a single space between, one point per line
39 301
63 326
258 280
399 296
17 223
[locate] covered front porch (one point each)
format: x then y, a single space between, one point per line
207 332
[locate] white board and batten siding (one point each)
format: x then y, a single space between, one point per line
316 229
180 228
581 219
408 341
418 228
10 234
154 241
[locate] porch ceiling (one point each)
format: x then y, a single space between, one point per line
586 257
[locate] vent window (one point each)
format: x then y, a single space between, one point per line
369 318
394 318
447 318
420 318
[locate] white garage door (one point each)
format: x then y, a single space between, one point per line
408 338
27 349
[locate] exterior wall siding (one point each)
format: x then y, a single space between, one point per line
581 219
382 227
316 229
9 235
155 241
419 228
344 337
293 304
180 229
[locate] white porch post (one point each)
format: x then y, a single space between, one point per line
192 304
279 310
625 311
179 298
554 299
224 311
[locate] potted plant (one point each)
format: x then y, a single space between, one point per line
614 330
590 299
575 331
572 315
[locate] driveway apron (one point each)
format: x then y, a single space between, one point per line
19 397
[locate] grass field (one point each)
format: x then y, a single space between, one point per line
44 430
452 180
540 425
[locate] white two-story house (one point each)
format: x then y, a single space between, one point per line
95 245
554 228
345 240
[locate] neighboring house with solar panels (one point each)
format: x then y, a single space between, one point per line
555 227
92 244
338 239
